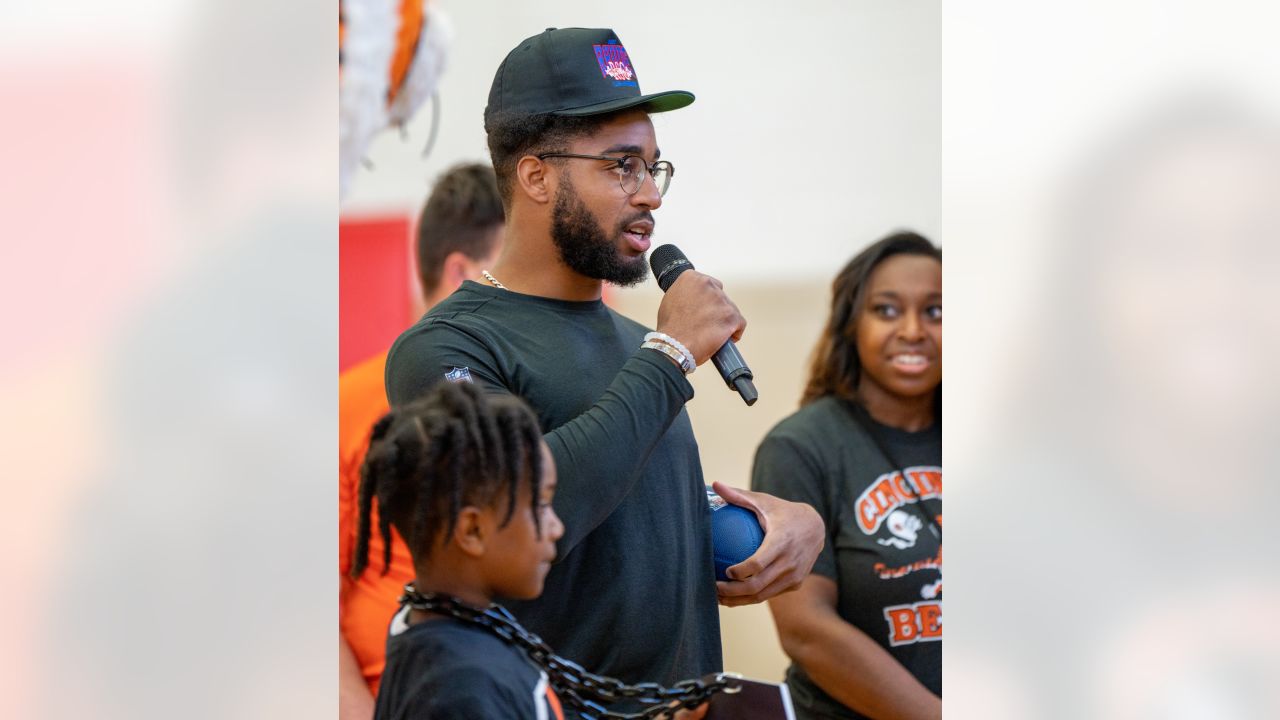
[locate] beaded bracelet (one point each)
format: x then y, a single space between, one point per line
669 352
665 338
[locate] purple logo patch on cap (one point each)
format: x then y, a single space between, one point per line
614 64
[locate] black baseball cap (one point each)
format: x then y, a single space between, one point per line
572 71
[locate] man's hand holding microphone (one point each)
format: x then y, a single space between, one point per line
698 314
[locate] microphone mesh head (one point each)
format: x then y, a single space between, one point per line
667 262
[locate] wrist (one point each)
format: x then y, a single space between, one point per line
682 356
686 366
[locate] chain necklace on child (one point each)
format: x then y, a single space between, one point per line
570 680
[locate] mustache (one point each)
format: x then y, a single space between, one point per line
645 216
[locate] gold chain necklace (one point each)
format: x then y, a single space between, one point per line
492 280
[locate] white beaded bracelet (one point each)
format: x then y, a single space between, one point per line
671 352
679 346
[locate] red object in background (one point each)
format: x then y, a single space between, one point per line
376 285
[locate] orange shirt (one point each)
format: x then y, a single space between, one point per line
366 604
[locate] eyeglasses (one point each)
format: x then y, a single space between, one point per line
631 170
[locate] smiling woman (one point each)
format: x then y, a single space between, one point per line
899 340
864 631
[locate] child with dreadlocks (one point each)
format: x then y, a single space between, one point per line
467 481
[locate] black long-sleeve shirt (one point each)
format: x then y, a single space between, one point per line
632 593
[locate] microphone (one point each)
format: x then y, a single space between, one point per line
667 263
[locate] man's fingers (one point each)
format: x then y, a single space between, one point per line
766 556
786 582
742 588
771 571
741 498
742 326
782 560
753 583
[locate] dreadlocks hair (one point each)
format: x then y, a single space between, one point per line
461 215
835 367
427 460
513 136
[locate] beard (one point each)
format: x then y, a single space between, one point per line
585 248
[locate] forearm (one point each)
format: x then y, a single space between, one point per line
855 670
355 702
600 454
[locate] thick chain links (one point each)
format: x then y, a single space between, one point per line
575 686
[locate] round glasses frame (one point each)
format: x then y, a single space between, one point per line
629 178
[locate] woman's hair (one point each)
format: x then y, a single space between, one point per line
835 367
454 447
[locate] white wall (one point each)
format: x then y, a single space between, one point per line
816 128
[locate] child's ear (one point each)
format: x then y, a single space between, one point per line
472 530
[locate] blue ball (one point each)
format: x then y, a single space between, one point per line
735 534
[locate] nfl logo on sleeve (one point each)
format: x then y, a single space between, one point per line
459 374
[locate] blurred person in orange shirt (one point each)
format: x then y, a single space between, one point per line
460 231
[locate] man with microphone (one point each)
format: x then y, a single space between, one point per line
632 593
